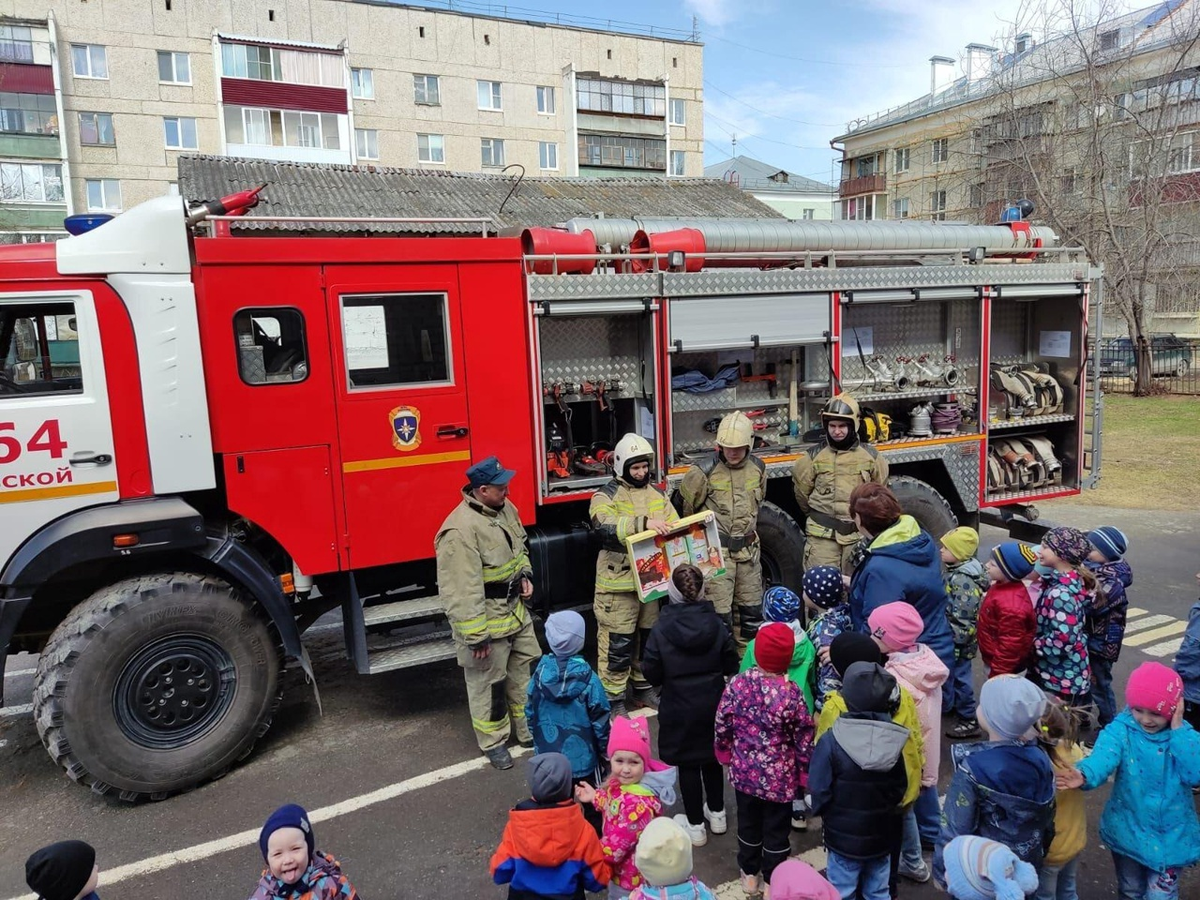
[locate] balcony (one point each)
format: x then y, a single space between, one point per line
863 184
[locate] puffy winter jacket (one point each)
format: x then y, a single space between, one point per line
857 782
1002 791
821 632
1070 814
1106 617
904 563
692 889
322 880
1060 646
801 671
1187 660
1007 625
906 718
689 653
1151 814
966 584
626 810
568 713
549 850
922 674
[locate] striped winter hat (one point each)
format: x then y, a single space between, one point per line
1110 541
1014 559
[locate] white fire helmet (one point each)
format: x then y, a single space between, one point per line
735 431
632 448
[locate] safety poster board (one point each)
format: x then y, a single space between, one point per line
654 556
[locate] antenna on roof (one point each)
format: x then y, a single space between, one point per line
516 184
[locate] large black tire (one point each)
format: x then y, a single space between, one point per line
157 684
782 547
924 504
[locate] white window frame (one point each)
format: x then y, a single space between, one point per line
901 154
363 138
424 81
174 56
546 101
360 88
548 156
103 184
179 133
677 105
494 95
432 149
24 164
264 125
680 157
98 143
808 215
89 56
490 146
937 205
942 144
901 208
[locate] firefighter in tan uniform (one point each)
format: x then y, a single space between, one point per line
823 479
626 505
732 485
483 574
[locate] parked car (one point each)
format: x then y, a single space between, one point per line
1170 356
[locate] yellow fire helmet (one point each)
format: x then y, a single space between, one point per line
843 406
735 431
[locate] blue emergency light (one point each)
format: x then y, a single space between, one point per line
85 222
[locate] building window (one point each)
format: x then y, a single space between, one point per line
859 209
28 114
977 196
622 152
16 43
545 101
808 215
282 128
901 158
678 162
270 345
89 61
34 182
366 143
1110 39
488 93
937 205
941 150
599 95
492 151
865 166
249 61
103 194
900 208
678 113
96 129
426 90
174 68
257 124
1121 107
306 129
548 154
396 340
431 148
180 133
41 347
362 84
1069 181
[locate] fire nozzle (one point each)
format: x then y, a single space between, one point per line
232 205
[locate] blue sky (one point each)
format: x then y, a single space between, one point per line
787 76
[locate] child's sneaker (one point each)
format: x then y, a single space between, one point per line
921 874
696 833
717 822
799 816
751 884
966 728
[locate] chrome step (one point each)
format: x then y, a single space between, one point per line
403 654
400 610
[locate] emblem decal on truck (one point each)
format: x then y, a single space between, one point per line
406 427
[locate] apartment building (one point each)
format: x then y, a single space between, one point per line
105 95
793 195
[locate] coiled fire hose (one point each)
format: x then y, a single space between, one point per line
946 418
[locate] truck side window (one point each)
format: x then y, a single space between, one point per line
39 350
396 340
270 345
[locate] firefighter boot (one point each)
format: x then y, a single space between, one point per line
646 696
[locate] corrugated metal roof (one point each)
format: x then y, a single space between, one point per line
306 189
279 42
756 175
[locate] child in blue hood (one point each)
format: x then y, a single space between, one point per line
63 871
1150 819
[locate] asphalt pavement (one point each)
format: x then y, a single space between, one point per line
398 790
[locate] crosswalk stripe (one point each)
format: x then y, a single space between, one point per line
9 711
1135 611
1166 648
1157 634
1148 622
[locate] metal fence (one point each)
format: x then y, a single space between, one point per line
1174 365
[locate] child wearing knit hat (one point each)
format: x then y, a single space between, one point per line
966 583
917 669
764 734
1060 646
1007 622
1002 788
825 600
294 865
63 871
1153 755
566 706
664 857
1106 617
979 869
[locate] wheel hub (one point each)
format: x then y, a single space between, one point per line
174 691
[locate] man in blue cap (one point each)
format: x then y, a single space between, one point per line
484 579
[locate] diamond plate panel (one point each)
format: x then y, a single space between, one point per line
1010 329
961 460
599 286
591 348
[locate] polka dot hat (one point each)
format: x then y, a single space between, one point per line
823 586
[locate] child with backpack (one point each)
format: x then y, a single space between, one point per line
1057 735
1149 821
1007 622
66 870
825 599
1060 646
688 655
664 857
764 734
966 583
294 864
548 848
1106 617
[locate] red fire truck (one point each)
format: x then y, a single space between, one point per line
210 439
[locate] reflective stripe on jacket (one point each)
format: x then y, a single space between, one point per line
823 479
619 510
732 493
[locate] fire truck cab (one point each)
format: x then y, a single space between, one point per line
209 439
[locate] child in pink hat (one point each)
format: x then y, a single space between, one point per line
638 790
917 669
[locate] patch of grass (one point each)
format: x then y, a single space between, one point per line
1150 453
